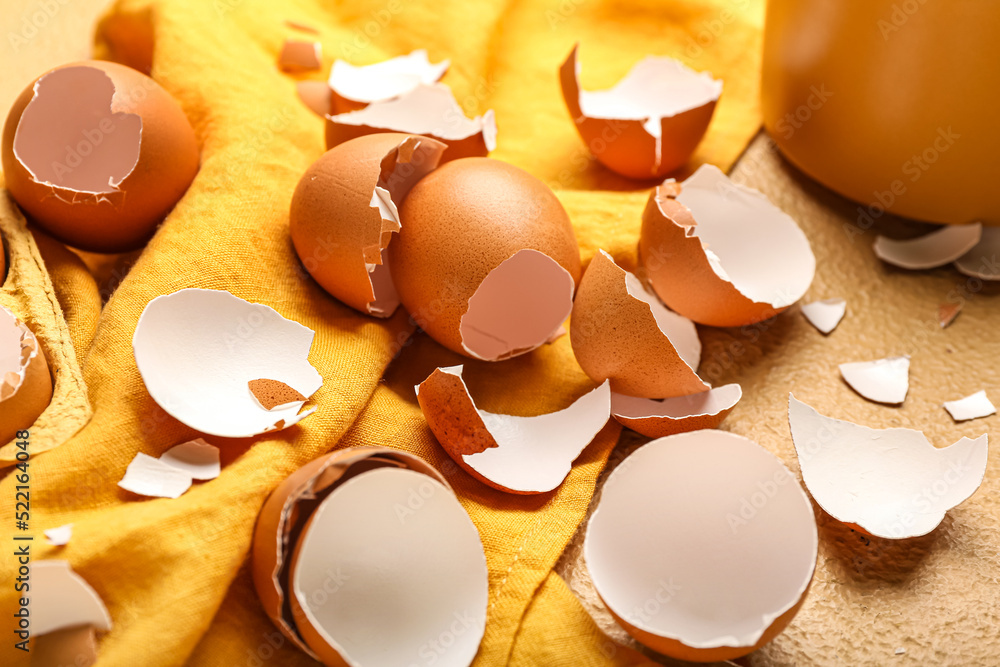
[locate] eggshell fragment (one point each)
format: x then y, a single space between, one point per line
98 154
890 483
408 560
721 253
655 117
198 459
486 260
70 647
315 95
932 250
148 476
59 536
947 312
983 260
25 383
825 315
658 418
288 508
197 349
622 333
971 407
302 27
271 394
300 56
345 211
520 455
882 380
428 110
356 87
703 545
60 598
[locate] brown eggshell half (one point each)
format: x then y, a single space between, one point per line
287 510
427 110
345 211
658 418
620 332
97 154
25 382
736 260
476 218
615 129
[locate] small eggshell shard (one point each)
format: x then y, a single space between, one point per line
271 394
197 458
345 211
60 599
427 110
930 251
60 535
486 260
973 406
947 312
98 153
983 260
659 418
891 483
69 647
25 382
657 115
315 95
825 315
712 533
722 254
301 27
197 349
622 333
148 476
356 87
423 568
881 381
289 507
300 56
522 455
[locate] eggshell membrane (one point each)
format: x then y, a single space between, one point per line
650 123
973 406
881 381
620 332
197 349
25 382
521 455
679 566
148 158
289 506
983 260
659 418
720 253
345 211
427 110
825 315
463 221
891 483
61 598
929 251
415 574
354 87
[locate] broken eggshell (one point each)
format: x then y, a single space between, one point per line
721 253
983 260
427 110
881 381
345 211
300 56
929 251
522 455
288 508
486 261
621 332
356 87
890 483
196 458
197 349
98 153
659 418
61 598
825 315
973 406
656 115
702 545
25 383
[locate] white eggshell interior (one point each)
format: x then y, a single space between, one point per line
387 79
893 482
971 407
759 248
60 535
882 380
391 571
710 402
197 349
932 250
825 315
60 598
983 260
703 537
148 476
197 458
679 330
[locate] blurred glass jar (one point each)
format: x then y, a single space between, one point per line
892 103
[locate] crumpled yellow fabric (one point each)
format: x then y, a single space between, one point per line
174 573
